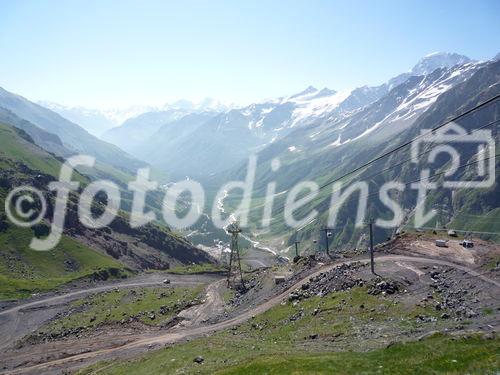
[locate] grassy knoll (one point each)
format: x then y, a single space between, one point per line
152 306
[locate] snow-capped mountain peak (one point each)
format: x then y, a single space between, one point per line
307 92
436 60
324 92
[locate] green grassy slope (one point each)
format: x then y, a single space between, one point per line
51 143
13 146
436 355
22 270
74 137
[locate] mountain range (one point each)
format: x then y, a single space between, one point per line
34 141
331 147
317 134
99 121
193 145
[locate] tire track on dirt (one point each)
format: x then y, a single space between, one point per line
179 334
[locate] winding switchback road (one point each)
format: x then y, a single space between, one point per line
19 320
179 333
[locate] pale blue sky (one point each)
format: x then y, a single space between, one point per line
108 53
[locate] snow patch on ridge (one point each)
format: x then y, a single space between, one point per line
312 108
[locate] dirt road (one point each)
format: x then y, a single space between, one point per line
178 333
212 306
19 320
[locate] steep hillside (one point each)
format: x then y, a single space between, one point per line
62 138
83 252
44 139
74 138
327 149
101 170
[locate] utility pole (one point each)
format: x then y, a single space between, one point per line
297 248
372 262
234 230
328 234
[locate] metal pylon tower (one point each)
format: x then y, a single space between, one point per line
234 258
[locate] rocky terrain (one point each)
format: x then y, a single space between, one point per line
314 305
